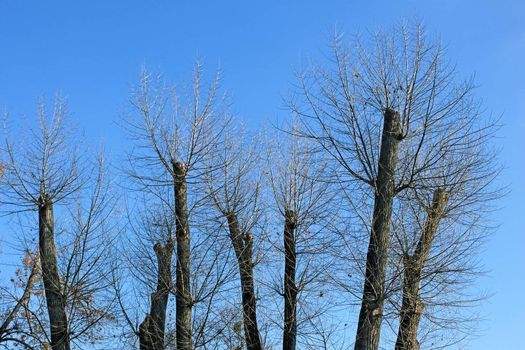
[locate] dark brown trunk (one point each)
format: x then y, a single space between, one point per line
243 246
290 289
183 292
56 304
371 313
412 306
151 331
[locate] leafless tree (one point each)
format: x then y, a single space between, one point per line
234 187
148 255
151 330
42 170
303 197
173 135
439 227
386 114
140 271
412 307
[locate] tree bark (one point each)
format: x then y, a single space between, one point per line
56 304
412 306
243 246
371 313
151 330
290 289
183 292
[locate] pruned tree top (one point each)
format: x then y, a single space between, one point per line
42 164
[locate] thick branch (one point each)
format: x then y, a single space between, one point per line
412 306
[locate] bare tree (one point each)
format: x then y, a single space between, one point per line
386 115
234 187
40 172
303 201
411 308
151 330
141 271
147 256
439 227
173 135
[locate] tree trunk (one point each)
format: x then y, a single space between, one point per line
412 306
56 304
371 313
151 331
290 289
243 245
183 293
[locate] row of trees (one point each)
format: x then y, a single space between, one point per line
373 197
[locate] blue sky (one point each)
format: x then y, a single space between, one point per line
92 51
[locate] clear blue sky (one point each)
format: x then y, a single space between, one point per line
92 52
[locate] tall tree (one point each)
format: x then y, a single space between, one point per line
304 207
234 187
440 225
384 114
42 170
152 329
149 253
412 305
173 136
